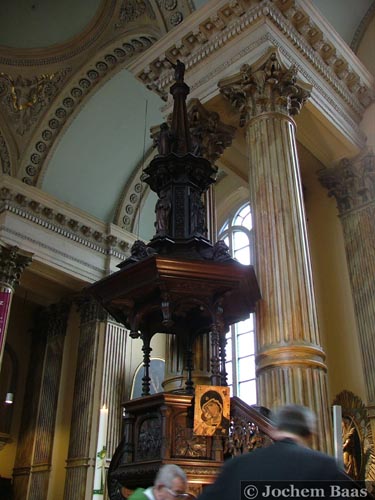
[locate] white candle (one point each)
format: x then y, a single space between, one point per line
103 423
99 473
337 435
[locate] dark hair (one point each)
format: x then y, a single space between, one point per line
206 396
296 419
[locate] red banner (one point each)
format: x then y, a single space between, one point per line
5 298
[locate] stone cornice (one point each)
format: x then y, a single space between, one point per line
220 22
60 220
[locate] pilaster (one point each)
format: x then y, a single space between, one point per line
352 183
34 453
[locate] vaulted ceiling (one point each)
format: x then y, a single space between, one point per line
85 140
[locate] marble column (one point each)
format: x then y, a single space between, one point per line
290 361
352 183
34 451
100 380
12 263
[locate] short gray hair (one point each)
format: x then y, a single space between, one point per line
296 419
167 473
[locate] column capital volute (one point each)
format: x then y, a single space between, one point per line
264 87
209 135
351 182
12 264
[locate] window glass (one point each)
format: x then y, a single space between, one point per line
245 344
248 392
239 351
246 368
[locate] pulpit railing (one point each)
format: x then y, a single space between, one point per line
250 428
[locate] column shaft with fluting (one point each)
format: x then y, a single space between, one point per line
352 183
290 360
36 439
100 380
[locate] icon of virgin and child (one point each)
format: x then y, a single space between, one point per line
211 410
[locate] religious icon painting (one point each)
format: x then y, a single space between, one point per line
211 410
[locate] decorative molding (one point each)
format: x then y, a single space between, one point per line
265 87
60 223
50 248
65 51
72 97
364 24
268 38
23 99
134 193
131 10
354 84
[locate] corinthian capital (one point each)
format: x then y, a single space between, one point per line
351 182
266 86
12 264
210 136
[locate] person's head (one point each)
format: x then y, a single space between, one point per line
212 407
170 483
296 420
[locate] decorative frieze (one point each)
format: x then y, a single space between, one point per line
133 194
63 224
298 22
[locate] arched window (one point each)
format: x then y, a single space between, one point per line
156 372
237 233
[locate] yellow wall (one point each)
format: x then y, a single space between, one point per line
332 287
